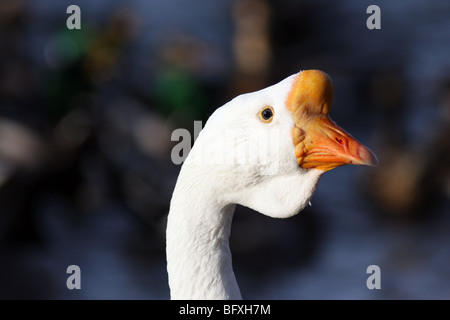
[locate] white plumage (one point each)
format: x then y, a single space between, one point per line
269 165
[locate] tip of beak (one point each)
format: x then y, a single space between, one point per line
368 158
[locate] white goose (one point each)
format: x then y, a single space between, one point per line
265 150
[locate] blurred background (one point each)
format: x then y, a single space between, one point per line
86 118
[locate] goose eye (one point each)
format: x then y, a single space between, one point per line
266 114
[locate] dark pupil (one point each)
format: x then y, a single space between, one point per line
267 114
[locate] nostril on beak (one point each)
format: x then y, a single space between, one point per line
339 141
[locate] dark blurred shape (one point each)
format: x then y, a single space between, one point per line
252 49
179 91
412 175
105 53
87 59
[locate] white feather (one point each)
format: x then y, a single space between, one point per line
236 159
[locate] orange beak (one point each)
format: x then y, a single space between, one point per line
319 142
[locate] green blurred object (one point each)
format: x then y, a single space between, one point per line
180 95
65 76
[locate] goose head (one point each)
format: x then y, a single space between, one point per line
267 149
